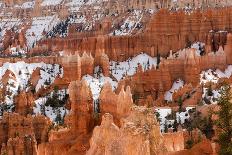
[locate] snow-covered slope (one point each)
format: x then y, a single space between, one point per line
21 72
175 87
51 112
180 117
97 81
131 23
39 25
214 75
119 70
129 67
7 24
51 2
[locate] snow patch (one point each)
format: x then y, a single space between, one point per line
20 73
129 67
39 25
49 111
175 87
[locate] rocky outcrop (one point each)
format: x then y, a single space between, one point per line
187 66
204 147
174 141
20 134
139 134
174 32
81 116
80 122
118 105
24 103
87 64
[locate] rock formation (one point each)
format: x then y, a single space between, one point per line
80 122
84 40
139 134
81 115
24 103
20 134
116 104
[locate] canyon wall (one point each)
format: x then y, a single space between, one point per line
187 67
110 139
74 139
165 31
20 134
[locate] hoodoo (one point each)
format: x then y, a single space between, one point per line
115 77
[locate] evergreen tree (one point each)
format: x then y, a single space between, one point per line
175 126
148 64
189 143
58 119
157 114
207 127
158 60
165 126
210 91
42 109
188 43
180 104
224 121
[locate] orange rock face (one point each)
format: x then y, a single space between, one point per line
139 130
80 122
81 115
172 28
205 147
119 122
116 104
24 103
20 134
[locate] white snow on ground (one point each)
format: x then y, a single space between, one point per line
48 74
17 51
175 87
40 24
129 67
21 73
28 5
51 2
213 98
129 24
182 116
151 11
90 2
50 112
164 112
118 70
79 19
209 76
75 5
7 24
198 46
96 84
213 76
226 74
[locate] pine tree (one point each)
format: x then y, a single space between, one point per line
58 118
180 104
210 91
165 126
148 64
207 127
158 61
157 114
175 126
224 122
